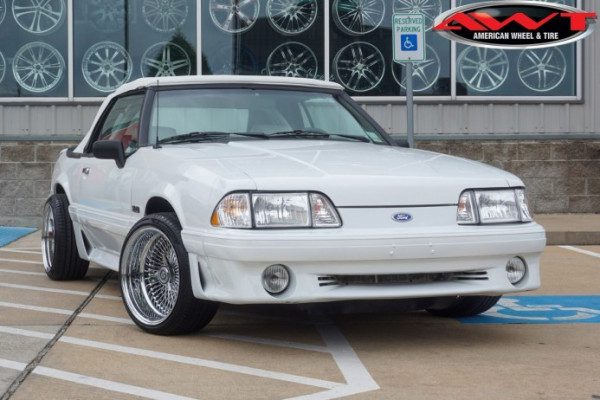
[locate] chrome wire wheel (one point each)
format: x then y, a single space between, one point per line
150 276
293 60
542 70
483 69
38 67
358 17
234 16
38 16
48 237
429 8
359 67
292 17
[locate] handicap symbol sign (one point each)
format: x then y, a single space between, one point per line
409 42
541 310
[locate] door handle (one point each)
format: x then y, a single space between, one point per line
86 171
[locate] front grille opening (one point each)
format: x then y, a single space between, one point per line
402 279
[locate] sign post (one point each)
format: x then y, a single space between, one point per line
409 47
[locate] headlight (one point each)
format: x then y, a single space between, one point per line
493 207
275 210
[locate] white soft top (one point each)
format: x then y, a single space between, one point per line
226 79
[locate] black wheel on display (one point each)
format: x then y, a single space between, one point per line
59 249
155 279
466 306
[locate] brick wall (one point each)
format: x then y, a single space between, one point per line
561 176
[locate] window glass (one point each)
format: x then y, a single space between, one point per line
532 72
116 41
263 37
265 111
123 121
361 49
33 48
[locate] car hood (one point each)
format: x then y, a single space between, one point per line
351 174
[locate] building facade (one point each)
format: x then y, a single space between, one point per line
533 112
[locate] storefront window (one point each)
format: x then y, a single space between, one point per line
33 49
361 49
263 37
116 41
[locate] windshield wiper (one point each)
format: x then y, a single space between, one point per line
193 137
299 133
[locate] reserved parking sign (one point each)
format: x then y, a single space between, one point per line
409 37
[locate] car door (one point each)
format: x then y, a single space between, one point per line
104 189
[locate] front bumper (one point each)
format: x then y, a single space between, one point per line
226 265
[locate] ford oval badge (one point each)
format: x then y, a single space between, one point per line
402 217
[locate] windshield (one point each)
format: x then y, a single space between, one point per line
255 114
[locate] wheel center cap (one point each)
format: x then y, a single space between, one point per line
163 275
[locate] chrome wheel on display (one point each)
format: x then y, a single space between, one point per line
292 17
106 66
483 69
2 66
48 238
165 59
107 15
2 10
150 276
165 15
542 70
358 17
425 73
38 16
429 8
359 67
234 16
294 60
38 67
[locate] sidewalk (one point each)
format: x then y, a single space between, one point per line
571 229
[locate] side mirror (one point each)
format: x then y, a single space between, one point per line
110 150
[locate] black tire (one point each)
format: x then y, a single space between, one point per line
61 260
188 313
466 306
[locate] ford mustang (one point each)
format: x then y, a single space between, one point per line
257 190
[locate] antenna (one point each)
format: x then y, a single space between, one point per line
157 144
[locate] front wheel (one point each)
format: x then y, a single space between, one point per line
465 306
155 279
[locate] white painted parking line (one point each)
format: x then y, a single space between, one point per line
18 272
20 251
61 311
20 261
581 251
181 359
271 342
60 291
95 382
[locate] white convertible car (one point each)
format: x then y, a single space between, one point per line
254 190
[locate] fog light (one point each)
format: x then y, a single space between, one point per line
515 270
275 279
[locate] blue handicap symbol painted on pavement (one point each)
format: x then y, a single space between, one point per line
541 310
409 42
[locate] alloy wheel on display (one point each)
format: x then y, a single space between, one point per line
425 73
39 16
542 70
359 67
150 276
292 17
358 17
294 60
165 15
483 69
107 15
429 8
2 66
38 67
234 16
106 66
165 59
2 10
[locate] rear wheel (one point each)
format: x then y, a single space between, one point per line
466 306
59 249
155 279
